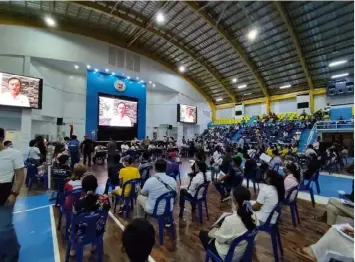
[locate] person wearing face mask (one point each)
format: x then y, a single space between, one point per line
197 178
230 226
13 97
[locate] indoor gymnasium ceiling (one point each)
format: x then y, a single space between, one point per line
294 41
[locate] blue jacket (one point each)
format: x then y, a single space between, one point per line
73 148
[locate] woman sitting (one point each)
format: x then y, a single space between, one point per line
88 203
197 178
243 219
73 183
269 196
231 179
292 179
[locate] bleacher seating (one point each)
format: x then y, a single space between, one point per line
231 121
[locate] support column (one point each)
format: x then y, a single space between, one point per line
311 101
213 111
267 103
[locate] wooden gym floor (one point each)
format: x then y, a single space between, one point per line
187 247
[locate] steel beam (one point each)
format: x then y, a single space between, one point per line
127 19
295 41
237 47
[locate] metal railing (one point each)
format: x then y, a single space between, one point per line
311 134
340 124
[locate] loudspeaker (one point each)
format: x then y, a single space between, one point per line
170 127
59 121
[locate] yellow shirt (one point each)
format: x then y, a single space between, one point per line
294 150
284 151
269 152
126 174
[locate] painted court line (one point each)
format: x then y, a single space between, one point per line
32 209
54 236
121 226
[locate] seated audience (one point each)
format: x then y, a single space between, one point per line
74 183
145 161
331 241
61 172
249 166
310 150
292 179
153 188
312 166
240 152
90 202
8 144
241 220
269 196
172 166
142 232
113 167
276 160
197 178
231 179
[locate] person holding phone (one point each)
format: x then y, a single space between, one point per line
121 119
13 96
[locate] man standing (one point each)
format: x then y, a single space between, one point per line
11 179
87 147
73 148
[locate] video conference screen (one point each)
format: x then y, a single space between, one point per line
114 111
187 114
20 91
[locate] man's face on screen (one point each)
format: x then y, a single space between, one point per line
121 109
14 87
189 111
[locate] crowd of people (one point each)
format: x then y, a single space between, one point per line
217 161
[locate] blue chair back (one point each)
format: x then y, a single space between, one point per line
167 197
276 167
75 194
145 172
293 191
203 187
249 237
87 227
268 224
133 183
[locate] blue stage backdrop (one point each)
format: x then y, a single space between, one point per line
104 83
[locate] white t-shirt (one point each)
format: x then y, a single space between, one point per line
34 153
189 119
19 100
10 159
118 121
268 197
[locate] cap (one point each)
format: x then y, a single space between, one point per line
172 154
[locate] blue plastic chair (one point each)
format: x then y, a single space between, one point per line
292 203
87 228
309 186
276 167
168 214
253 178
315 180
128 201
248 236
75 194
199 201
273 230
145 174
31 176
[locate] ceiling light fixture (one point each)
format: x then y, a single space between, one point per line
96 70
340 75
219 99
181 69
336 63
113 73
50 21
153 85
128 77
285 86
160 18
137 78
247 94
150 82
76 66
106 69
234 80
88 66
252 34
242 86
